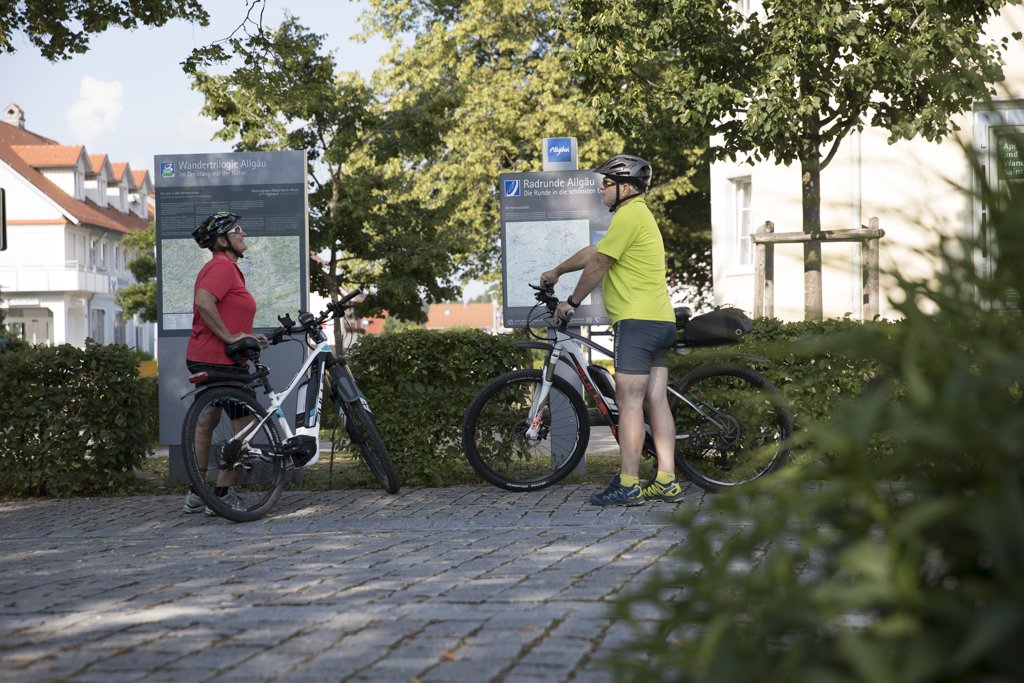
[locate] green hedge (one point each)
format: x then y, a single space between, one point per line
75 422
419 383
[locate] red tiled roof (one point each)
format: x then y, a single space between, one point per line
52 156
97 161
476 315
86 212
119 169
140 177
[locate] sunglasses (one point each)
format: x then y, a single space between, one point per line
234 231
608 182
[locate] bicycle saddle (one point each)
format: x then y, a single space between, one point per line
243 350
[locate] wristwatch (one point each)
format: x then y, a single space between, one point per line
572 303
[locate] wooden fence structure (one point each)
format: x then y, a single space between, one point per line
765 238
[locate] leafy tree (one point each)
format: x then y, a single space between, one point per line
62 28
404 171
141 297
287 94
483 83
789 81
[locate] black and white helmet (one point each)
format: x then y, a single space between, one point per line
628 169
214 226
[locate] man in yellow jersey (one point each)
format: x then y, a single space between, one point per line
629 262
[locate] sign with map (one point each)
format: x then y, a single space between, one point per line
546 218
268 190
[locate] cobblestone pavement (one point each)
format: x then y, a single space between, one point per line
455 584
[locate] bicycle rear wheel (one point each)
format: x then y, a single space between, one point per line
362 429
731 428
494 430
256 462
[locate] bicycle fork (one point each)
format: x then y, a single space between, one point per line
535 418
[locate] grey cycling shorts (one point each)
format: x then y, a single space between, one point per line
642 344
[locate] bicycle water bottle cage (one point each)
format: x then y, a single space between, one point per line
243 350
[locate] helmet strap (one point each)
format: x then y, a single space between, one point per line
619 199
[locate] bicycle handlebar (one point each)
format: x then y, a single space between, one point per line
307 321
546 295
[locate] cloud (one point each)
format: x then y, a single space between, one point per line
97 111
193 127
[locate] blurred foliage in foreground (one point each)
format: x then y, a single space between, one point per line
857 568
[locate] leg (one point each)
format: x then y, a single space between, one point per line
630 391
204 435
663 428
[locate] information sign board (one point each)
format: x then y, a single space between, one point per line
546 218
268 190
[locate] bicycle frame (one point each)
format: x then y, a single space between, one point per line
563 349
304 441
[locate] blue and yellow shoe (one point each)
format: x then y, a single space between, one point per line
617 494
669 492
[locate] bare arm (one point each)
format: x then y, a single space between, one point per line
206 304
577 261
593 273
597 265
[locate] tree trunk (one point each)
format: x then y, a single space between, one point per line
810 171
332 268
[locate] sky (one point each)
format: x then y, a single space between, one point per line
128 97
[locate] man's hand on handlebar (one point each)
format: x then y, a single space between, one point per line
564 312
549 278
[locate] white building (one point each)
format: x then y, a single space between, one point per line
915 188
67 215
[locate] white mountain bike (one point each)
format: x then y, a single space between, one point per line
257 443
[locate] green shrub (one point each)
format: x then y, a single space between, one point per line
419 384
856 568
74 421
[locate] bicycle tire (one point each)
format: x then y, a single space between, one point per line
260 467
494 432
364 433
745 433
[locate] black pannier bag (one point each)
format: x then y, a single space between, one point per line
721 326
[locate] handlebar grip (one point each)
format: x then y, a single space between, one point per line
348 297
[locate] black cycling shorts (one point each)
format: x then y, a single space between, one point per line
642 344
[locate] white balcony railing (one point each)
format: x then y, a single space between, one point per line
73 277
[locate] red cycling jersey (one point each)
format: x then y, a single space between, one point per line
222 278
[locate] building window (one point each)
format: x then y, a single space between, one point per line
742 6
119 329
98 326
741 220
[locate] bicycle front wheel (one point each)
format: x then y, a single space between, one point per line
732 426
252 467
495 439
362 429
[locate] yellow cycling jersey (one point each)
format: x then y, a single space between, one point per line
635 286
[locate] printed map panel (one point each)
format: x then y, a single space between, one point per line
270 274
533 247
